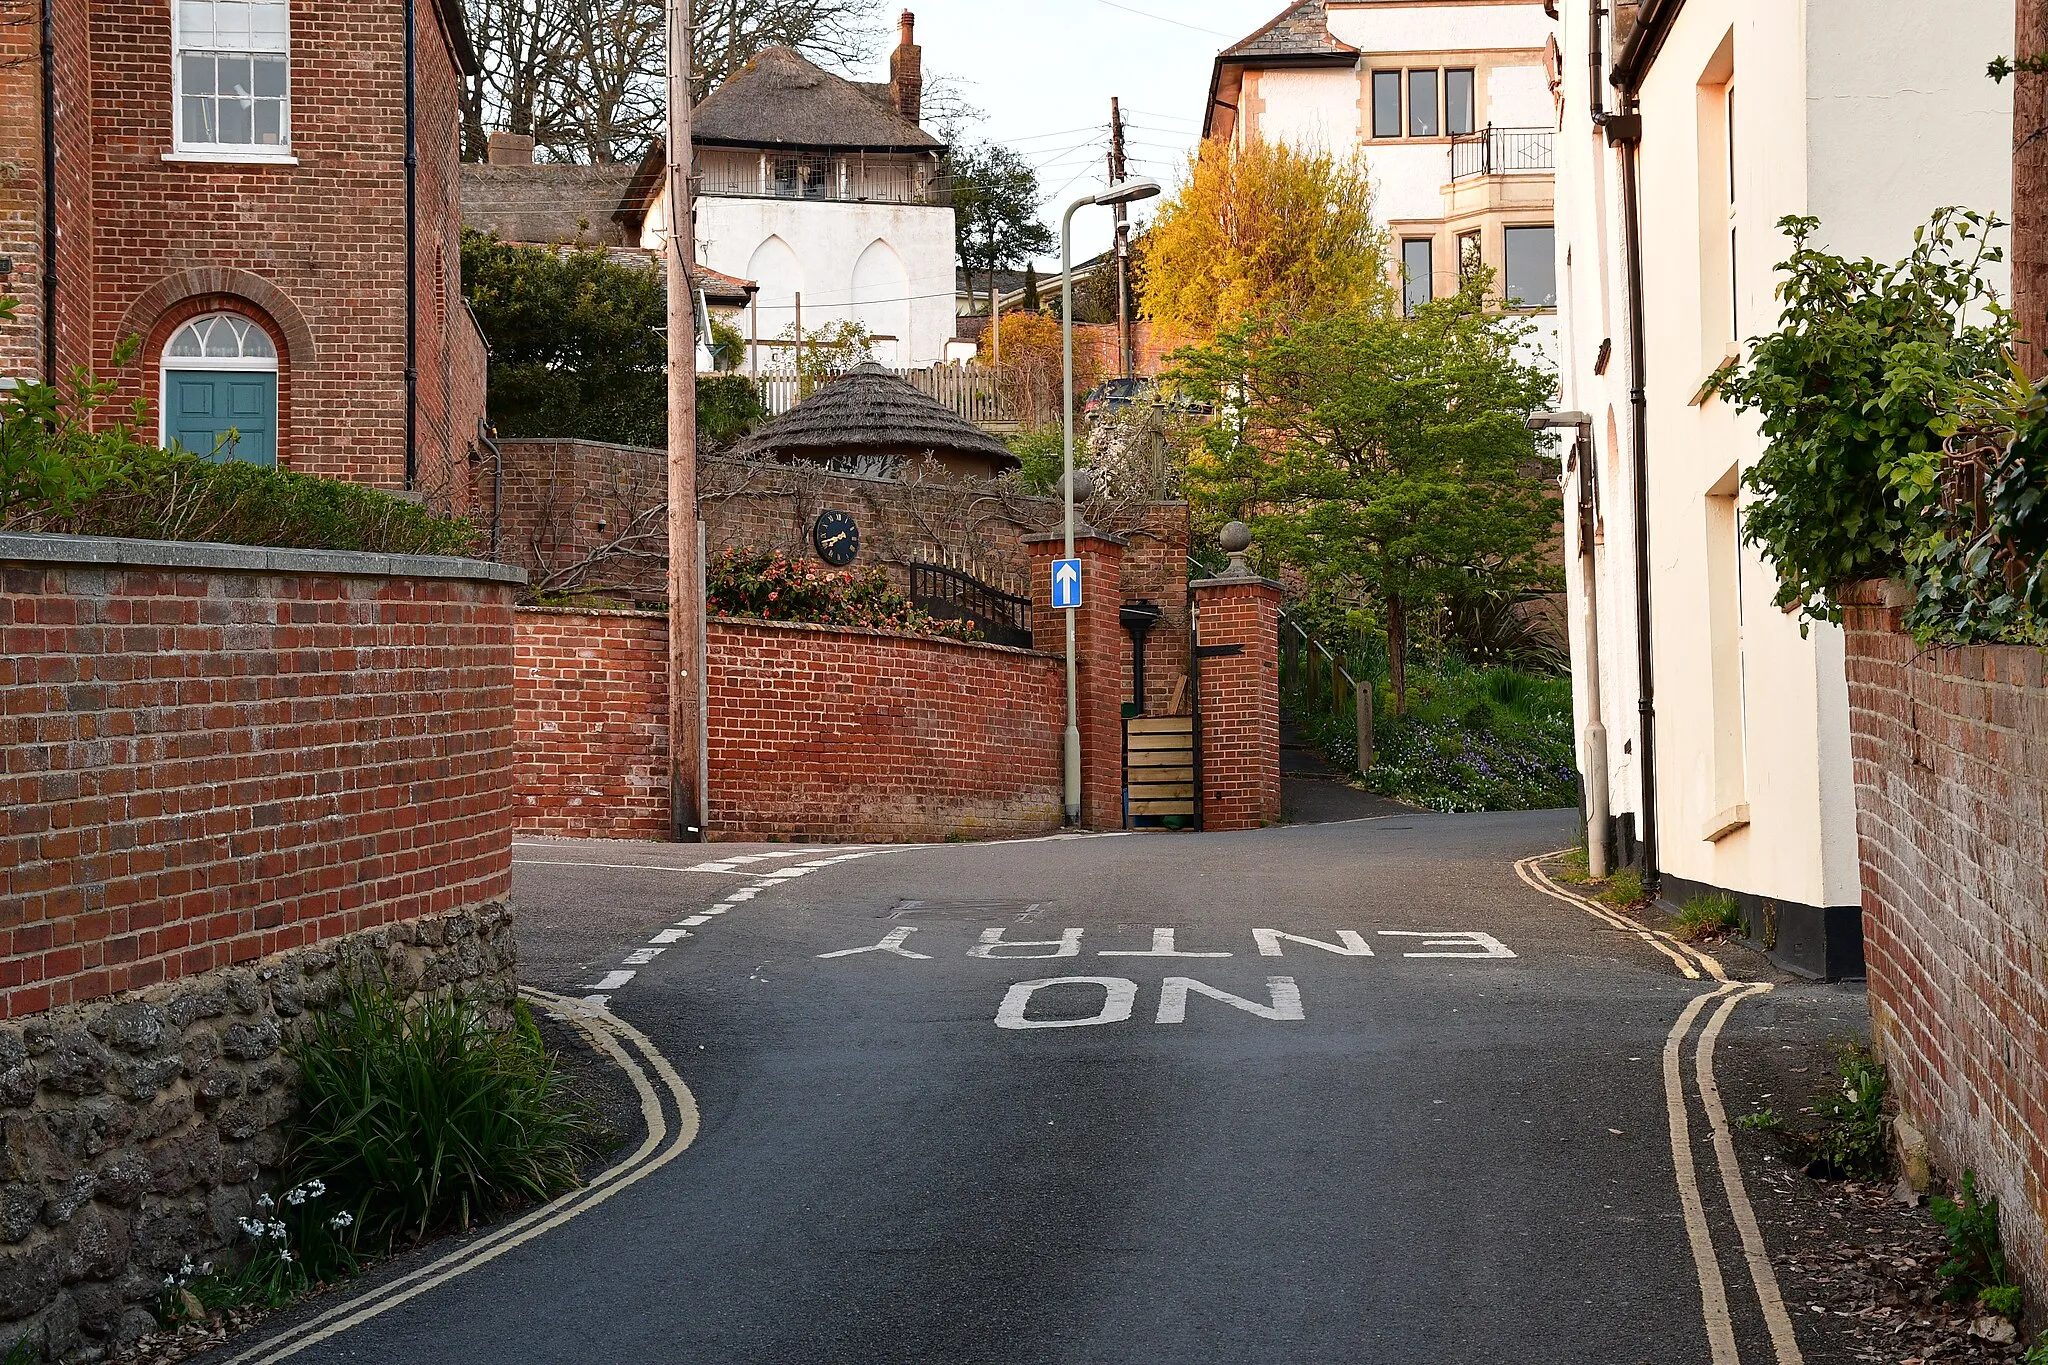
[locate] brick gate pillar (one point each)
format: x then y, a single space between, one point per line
1240 698
1101 651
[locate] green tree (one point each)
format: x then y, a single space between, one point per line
995 211
1384 458
579 346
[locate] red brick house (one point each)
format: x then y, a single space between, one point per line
230 182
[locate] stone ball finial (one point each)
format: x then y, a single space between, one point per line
1236 538
1084 484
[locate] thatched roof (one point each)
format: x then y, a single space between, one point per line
872 409
781 100
546 204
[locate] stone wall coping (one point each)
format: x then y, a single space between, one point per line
1239 581
1081 533
631 613
116 552
873 633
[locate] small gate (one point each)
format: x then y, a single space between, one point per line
1159 770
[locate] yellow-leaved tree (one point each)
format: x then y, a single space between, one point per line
1260 227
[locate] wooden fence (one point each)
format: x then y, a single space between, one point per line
972 392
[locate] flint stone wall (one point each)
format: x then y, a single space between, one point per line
136 1131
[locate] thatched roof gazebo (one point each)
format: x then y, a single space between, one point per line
870 421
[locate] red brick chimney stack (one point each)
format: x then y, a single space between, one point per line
906 72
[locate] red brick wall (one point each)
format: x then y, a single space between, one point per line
593 723
816 732
21 185
565 499
1951 760
203 767
1240 703
1102 673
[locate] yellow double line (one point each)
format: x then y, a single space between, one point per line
1697 964
662 1094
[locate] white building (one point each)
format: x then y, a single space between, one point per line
1452 104
825 193
1689 130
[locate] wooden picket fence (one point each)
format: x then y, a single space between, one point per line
972 392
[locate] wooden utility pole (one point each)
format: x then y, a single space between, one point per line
1123 239
2030 190
685 563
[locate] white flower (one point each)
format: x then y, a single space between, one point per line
264 1202
170 1281
316 1188
341 1220
296 1197
285 1256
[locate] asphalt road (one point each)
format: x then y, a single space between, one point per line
1453 1149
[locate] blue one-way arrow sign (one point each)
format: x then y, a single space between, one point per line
1066 583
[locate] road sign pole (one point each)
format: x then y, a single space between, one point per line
1067 495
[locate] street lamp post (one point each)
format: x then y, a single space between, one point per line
1597 798
1117 195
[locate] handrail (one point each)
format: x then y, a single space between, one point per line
1502 151
1307 684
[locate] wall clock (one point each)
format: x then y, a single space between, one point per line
837 537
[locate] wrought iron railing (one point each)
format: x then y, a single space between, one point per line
950 595
1502 151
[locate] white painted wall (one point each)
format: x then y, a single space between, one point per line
1316 108
887 265
1519 97
1870 114
1373 27
1408 180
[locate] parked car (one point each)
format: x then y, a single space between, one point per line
1117 393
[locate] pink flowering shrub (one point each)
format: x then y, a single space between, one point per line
768 585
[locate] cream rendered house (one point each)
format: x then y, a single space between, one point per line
827 194
1728 744
1451 102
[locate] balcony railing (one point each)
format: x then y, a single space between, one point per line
825 179
1501 151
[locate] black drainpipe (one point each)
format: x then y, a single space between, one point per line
412 311
1626 132
49 191
1596 61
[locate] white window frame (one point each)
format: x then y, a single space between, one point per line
226 153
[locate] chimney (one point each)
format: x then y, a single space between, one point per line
511 149
906 72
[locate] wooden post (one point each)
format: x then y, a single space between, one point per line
2030 191
1362 692
685 594
799 346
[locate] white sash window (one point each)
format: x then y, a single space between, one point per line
232 77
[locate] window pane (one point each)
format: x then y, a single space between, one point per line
1470 259
1532 267
199 120
220 340
185 345
1459 109
268 25
197 74
234 75
1422 104
270 74
1386 104
237 121
230 24
269 122
1418 263
195 23
256 344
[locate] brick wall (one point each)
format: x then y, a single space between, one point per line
815 732
1951 762
592 693
1240 702
209 755
21 185
566 500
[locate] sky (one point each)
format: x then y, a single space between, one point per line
1044 71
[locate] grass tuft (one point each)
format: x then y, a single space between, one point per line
424 1119
1976 1269
1709 917
1574 867
1624 889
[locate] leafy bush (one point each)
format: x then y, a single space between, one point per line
1708 915
426 1118
65 467
1859 388
728 407
1043 451
1852 1142
1990 583
768 585
1975 1270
